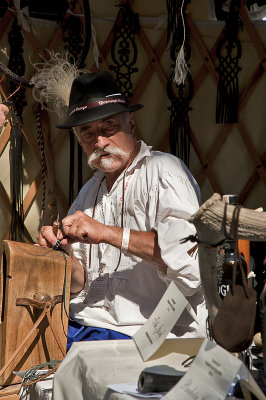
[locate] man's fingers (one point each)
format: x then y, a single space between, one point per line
46 237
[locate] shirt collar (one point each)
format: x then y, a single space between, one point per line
144 151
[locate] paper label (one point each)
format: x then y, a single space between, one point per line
152 334
211 375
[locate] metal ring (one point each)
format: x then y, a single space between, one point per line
56 246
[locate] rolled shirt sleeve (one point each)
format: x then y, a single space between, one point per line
173 200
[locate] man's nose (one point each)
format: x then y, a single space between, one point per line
101 141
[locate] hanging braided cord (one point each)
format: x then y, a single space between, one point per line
228 54
179 118
16 63
73 45
43 161
75 48
124 50
173 14
86 46
17 220
179 94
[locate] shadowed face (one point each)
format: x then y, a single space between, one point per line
109 142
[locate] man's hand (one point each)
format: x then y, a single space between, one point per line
47 238
3 112
79 227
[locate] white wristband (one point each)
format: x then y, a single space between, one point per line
125 240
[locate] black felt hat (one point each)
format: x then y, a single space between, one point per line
94 96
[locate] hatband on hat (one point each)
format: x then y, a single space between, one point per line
94 96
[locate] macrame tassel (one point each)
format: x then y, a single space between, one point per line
181 68
180 84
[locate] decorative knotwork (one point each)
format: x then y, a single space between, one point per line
78 43
179 94
16 65
179 119
73 31
73 37
16 173
87 40
43 161
124 49
228 54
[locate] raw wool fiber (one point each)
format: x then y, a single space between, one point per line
52 82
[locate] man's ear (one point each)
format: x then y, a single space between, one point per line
131 120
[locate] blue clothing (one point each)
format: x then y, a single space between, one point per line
79 333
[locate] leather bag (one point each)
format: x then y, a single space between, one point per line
233 327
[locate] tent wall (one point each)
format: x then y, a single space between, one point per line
225 158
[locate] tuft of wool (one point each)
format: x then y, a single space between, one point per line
52 82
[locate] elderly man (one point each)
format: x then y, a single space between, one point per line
123 231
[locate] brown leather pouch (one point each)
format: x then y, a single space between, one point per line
233 327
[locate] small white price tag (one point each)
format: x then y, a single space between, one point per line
211 375
152 334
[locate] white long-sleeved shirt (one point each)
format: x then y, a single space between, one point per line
159 194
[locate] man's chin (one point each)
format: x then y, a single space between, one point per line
101 167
